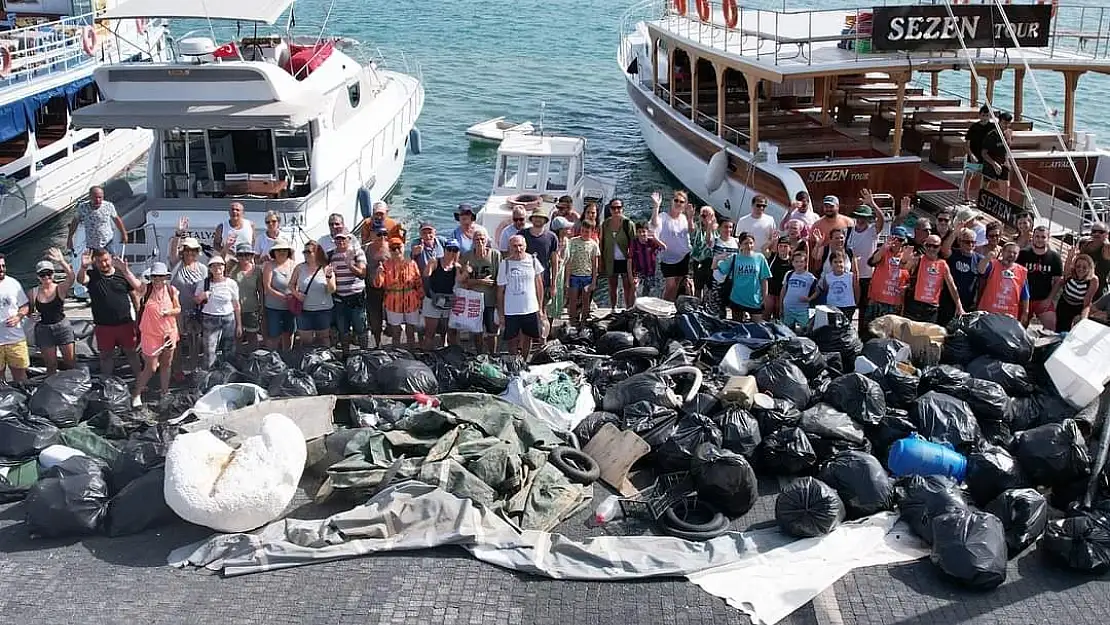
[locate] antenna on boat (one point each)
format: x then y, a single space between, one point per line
543 107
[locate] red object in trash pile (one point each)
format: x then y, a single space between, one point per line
426 400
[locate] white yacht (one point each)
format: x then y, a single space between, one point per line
276 122
47 59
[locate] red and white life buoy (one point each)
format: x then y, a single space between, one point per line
88 40
680 7
731 13
5 62
140 25
703 10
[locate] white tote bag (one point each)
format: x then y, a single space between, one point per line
466 314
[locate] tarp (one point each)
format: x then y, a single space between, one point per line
265 11
19 116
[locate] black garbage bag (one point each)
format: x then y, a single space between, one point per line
884 353
448 366
987 399
970 547
362 369
786 452
900 386
330 378
404 377
992 471
62 397
724 479
838 336
831 431
1080 542
261 367
783 379
1024 514
24 437
292 383
139 454
808 507
801 351
944 379
677 452
316 357
923 498
140 506
861 482
108 395
860 397
655 424
1001 336
893 427
942 418
958 349
1051 454
375 412
12 401
589 427
739 431
1013 378
1044 406
613 341
223 373
703 403
775 415
648 386
70 499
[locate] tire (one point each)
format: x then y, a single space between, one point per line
635 352
681 528
575 464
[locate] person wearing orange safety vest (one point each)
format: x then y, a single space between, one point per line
888 282
929 275
1005 283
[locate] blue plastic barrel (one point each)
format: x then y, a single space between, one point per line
916 456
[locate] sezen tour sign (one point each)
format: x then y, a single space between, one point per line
930 27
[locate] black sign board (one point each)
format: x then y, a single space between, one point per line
930 27
1006 211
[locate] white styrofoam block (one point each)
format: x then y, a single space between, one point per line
1080 366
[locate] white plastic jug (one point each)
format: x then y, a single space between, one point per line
1080 366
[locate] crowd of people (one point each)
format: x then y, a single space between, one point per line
354 287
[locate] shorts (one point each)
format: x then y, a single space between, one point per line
278 322
349 318
528 324
676 270
581 282
51 335
795 317
430 311
15 355
973 167
314 320
703 273
920 311
648 285
737 309
620 267
252 321
153 343
489 320
411 319
1039 307
110 337
990 174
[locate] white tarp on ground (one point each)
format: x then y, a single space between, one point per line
763 572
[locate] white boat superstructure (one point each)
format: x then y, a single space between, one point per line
495 130
534 171
277 122
46 74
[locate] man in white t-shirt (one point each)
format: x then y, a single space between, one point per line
863 240
519 293
14 306
802 210
759 224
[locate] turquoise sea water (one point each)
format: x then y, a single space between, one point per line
484 59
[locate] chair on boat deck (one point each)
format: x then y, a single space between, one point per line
295 164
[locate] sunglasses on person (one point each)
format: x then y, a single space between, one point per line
518 220
617 207
46 274
271 221
932 246
1098 232
762 205
942 220
678 201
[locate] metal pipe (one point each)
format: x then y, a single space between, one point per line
1103 445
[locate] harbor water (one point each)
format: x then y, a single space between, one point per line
482 60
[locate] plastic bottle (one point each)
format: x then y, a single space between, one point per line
608 510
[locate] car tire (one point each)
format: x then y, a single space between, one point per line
680 527
575 464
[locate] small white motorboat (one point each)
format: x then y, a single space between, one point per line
495 130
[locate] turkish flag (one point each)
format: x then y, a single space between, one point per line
227 51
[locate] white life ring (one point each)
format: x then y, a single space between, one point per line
5 62
140 25
89 40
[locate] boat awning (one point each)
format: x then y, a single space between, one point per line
188 115
19 116
265 11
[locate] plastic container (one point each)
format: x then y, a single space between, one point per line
56 454
607 510
1080 366
739 390
914 455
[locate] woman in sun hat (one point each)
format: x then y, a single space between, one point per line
52 331
221 313
158 311
186 271
280 322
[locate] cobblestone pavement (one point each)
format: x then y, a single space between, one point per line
125 580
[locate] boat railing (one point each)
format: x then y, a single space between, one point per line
771 32
708 122
1066 206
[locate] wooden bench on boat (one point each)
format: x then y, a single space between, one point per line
946 140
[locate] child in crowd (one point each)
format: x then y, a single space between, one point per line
781 263
798 290
749 272
839 285
644 249
399 276
581 274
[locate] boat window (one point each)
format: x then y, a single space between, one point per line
510 172
51 121
557 171
532 176
86 96
11 151
293 150
354 94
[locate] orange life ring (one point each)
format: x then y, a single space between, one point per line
140 25
89 41
680 7
731 13
703 10
5 62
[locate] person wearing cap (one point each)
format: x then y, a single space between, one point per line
186 272
542 243
428 247
277 274
113 292
672 228
349 313
564 207
335 226
889 278
221 315
802 210
312 285
479 273
959 254
614 242
464 232
994 155
863 240
760 225
98 216
248 276
265 240
47 306
399 279
440 277
519 293
377 253
516 224
1045 270
929 276
237 229
561 228
1005 289
830 220
158 311
379 219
